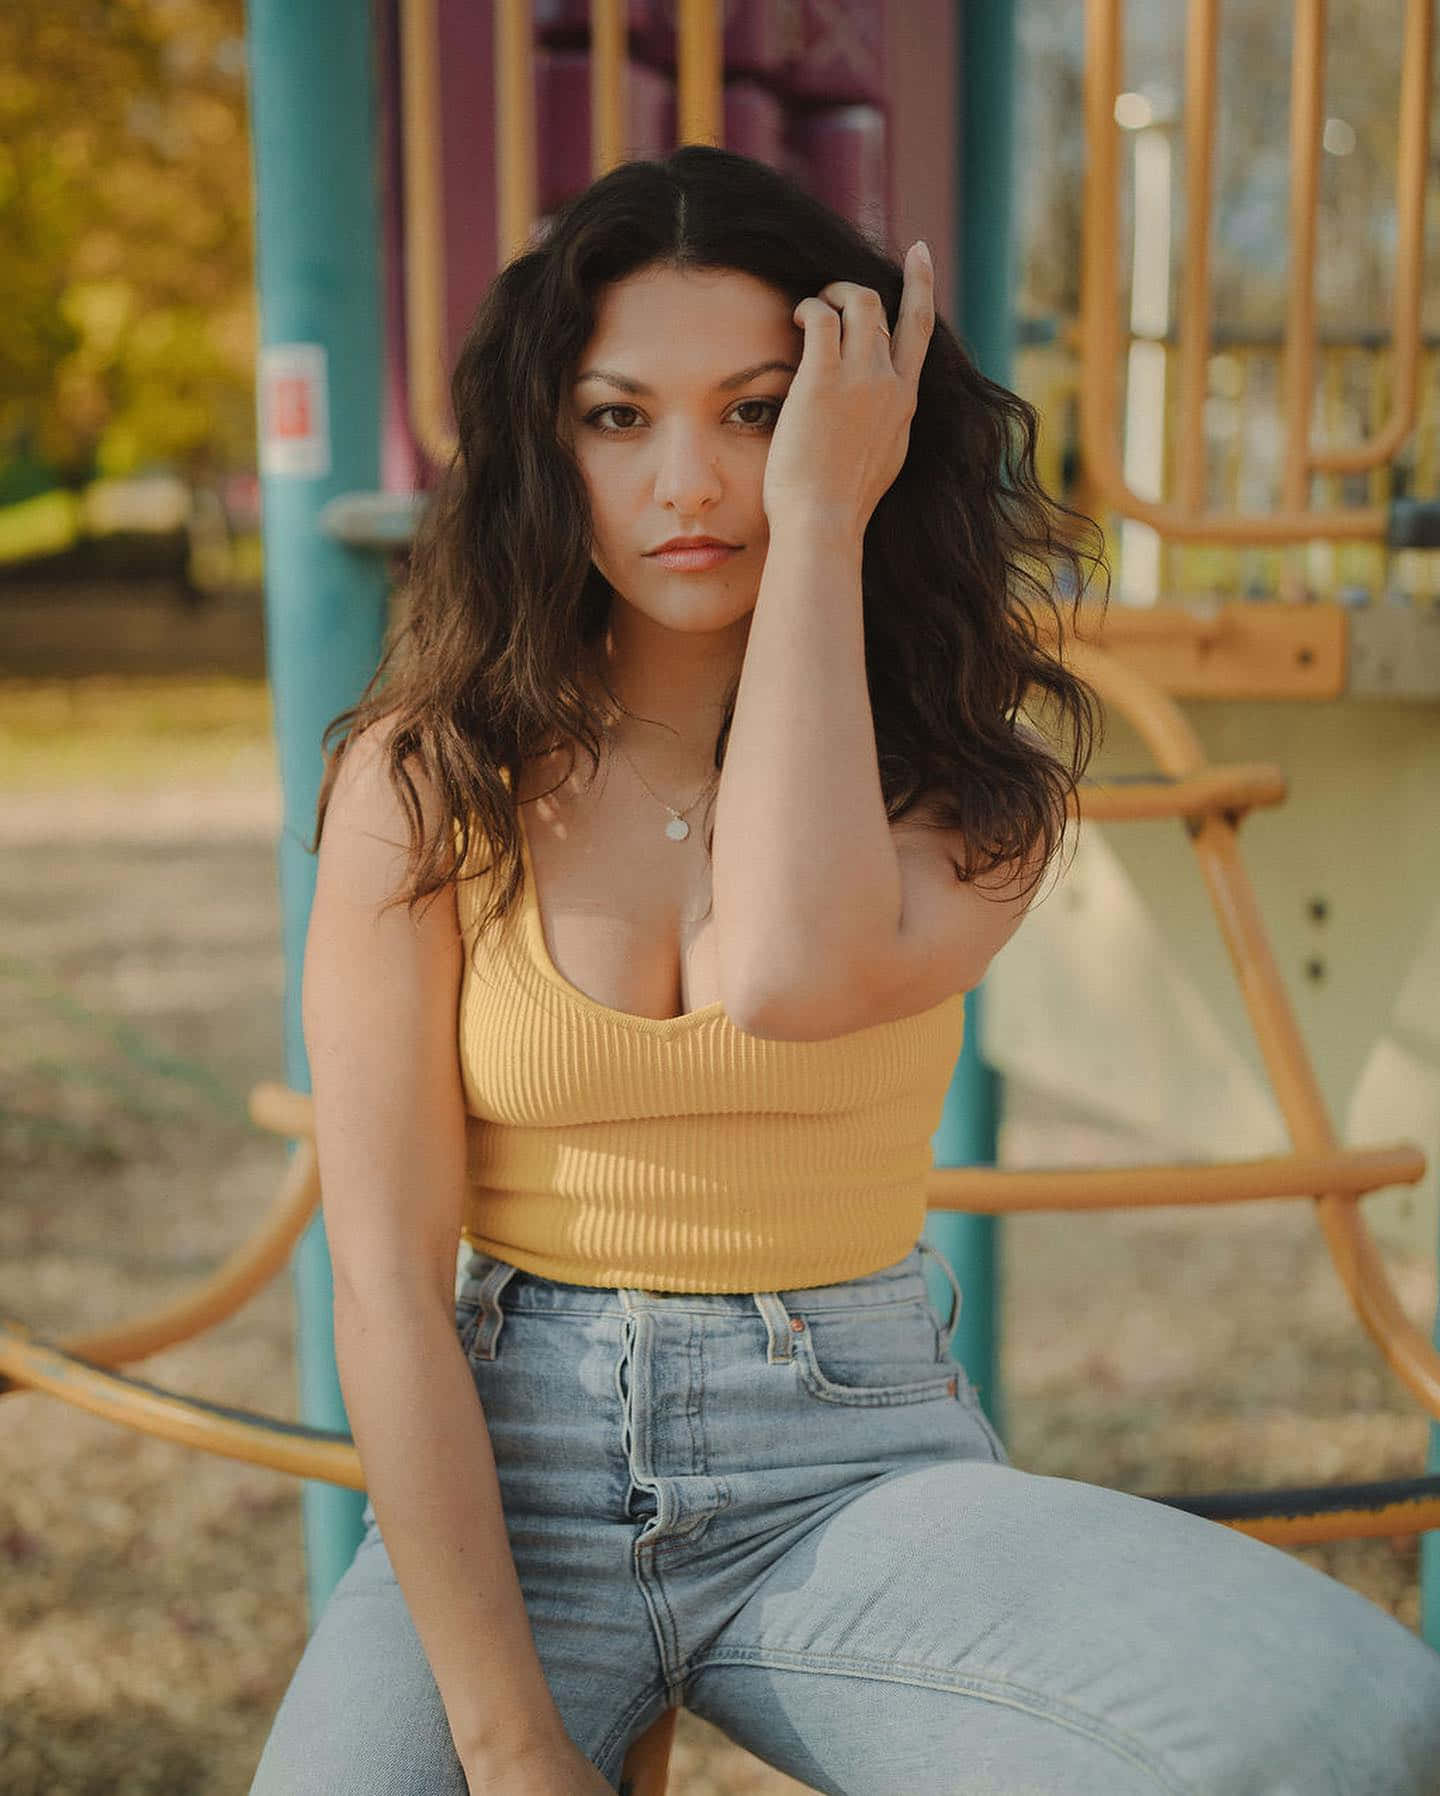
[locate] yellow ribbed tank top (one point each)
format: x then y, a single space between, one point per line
679 1153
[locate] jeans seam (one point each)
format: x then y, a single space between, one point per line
1005 1692
997 1446
652 1589
625 1720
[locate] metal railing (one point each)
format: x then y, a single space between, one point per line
1185 515
1242 433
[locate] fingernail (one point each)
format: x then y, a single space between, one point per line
925 251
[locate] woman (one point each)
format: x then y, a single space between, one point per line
688 1430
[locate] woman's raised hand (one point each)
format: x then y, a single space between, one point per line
844 428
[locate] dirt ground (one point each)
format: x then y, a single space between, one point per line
151 1601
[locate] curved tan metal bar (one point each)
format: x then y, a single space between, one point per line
251 1266
1186 519
1411 168
77 1368
1228 789
191 1421
1309 1516
1177 751
1349 1171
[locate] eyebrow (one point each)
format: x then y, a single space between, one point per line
734 380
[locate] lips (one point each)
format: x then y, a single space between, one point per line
692 542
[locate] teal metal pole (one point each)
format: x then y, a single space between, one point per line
966 1137
985 283
1430 1541
313 115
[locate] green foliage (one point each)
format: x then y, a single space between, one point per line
126 240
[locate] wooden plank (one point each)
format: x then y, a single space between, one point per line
1245 649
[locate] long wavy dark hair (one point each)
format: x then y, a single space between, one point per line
502 606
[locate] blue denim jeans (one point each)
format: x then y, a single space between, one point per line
786 1512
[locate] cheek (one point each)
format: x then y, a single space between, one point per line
605 487
604 538
600 500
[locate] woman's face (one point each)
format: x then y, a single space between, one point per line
680 448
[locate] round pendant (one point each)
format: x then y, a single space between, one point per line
677 829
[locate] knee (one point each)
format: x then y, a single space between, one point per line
1352 1711
403 1760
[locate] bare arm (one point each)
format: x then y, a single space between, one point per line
825 923
379 1014
806 873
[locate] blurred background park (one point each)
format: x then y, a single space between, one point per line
152 1599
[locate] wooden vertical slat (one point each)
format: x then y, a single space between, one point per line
1201 38
608 134
700 75
1307 84
515 138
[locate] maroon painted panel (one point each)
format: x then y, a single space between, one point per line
562 119
841 150
754 122
467 137
922 67
842 52
402 462
563 21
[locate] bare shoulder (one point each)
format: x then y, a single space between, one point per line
378 1006
365 792
365 842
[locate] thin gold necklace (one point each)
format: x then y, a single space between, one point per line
677 829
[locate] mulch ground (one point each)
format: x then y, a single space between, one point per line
151 1597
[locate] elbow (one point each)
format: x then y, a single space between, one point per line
813 1013
807 999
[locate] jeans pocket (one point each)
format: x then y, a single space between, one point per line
970 1397
876 1355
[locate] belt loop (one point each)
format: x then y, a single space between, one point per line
781 1346
492 1317
930 1248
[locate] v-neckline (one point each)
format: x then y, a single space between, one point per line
540 954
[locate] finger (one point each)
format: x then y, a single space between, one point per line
821 325
916 320
862 311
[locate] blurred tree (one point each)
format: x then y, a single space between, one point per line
126 260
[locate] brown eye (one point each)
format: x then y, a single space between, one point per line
770 410
600 412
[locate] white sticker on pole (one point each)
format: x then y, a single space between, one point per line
294 410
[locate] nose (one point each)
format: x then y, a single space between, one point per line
687 479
